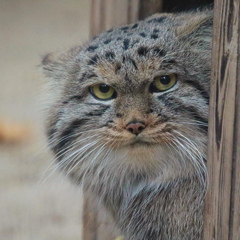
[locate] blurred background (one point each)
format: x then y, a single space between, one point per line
36 201
34 205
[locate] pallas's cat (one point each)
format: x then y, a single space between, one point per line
128 119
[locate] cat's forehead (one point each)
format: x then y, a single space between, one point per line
133 53
125 68
130 38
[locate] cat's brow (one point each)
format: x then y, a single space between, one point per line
87 76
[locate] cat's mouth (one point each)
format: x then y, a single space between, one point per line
162 134
139 142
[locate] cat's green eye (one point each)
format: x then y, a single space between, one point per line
103 92
163 83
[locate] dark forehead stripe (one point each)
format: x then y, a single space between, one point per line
132 61
135 42
129 60
110 55
135 26
87 76
107 41
159 52
118 66
126 43
94 60
143 34
92 48
154 36
124 28
128 80
142 51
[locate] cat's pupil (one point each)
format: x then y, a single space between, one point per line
165 80
104 88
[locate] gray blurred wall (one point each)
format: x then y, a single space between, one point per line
31 208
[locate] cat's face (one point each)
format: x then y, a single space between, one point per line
134 99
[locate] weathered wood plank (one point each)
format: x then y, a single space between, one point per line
222 208
149 7
106 14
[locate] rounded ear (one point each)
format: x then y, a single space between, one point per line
193 22
59 65
196 28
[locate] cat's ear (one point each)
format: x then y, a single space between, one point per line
195 27
57 66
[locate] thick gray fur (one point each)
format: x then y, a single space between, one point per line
153 184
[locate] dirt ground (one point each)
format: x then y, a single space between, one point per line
34 206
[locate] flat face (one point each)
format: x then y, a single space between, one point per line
134 99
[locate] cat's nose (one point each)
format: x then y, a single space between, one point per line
135 127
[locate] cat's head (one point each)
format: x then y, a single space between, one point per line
134 99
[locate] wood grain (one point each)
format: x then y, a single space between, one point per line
106 14
149 7
222 208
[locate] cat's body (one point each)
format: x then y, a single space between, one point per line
128 120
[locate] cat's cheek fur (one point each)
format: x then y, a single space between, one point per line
153 189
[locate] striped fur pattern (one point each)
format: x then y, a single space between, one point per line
153 183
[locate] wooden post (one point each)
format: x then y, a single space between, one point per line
222 208
106 14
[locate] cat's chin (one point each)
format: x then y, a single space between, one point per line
139 143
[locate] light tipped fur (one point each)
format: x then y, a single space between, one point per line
152 184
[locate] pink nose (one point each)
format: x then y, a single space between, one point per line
135 127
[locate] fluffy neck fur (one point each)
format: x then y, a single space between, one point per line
152 184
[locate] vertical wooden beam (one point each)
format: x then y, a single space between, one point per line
106 14
222 208
149 7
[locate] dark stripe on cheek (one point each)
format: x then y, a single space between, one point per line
197 117
50 133
98 112
51 130
66 137
73 98
200 88
179 107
